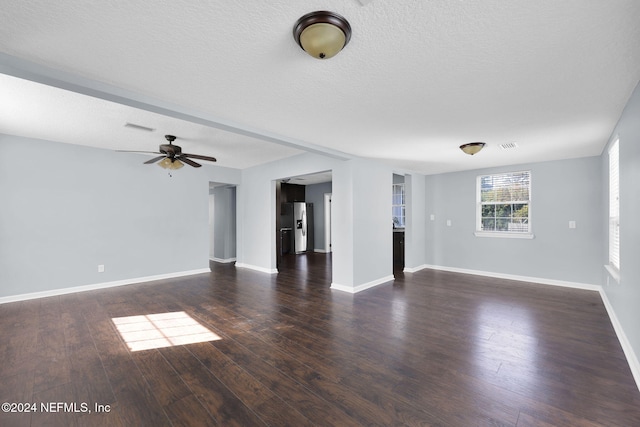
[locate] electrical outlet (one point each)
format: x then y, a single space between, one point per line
448 223
572 224
432 217
101 268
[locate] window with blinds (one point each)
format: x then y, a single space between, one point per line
614 205
504 202
398 205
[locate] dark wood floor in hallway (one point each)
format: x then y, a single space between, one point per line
429 348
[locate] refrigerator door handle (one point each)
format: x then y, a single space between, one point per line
304 223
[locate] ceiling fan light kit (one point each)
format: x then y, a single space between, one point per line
171 156
322 34
168 163
472 148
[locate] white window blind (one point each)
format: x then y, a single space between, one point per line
614 205
503 203
398 206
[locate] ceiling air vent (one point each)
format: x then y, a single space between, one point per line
509 146
139 127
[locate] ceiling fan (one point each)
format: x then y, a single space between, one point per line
172 156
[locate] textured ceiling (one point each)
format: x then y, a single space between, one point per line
38 111
418 79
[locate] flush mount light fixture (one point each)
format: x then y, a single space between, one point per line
322 34
472 147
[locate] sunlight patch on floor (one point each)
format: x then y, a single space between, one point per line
149 331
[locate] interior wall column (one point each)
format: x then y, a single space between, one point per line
362 227
415 222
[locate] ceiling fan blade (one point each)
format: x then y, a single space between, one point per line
155 159
188 161
134 151
198 156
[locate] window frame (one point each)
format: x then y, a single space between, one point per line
503 234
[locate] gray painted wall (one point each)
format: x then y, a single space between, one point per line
398 179
561 191
415 247
625 296
315 194
371 228
66 209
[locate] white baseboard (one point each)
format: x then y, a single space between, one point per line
360 288
540 280
631 356
321 251
414 269
96 286
257 268
223 260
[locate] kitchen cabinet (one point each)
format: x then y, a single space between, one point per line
398 249
285 240
292 193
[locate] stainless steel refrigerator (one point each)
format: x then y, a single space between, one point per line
302 226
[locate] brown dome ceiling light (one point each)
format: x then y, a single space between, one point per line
322 34
472 148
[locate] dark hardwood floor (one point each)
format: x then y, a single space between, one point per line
429 348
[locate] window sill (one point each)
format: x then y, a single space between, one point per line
503 235
613 272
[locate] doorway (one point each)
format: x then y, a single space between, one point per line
314 191
222 222
398 214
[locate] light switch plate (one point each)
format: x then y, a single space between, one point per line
572 224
